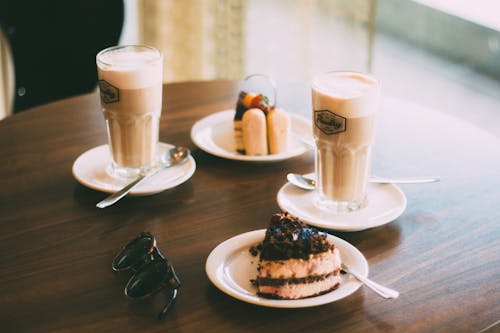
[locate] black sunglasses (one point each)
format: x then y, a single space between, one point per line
152 273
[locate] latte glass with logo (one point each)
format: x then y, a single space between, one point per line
130 86
345 105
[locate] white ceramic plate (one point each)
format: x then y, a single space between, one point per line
385 203
214 135
230 266
90 170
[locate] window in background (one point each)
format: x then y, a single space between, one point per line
287 39
443 55
294 40
437 53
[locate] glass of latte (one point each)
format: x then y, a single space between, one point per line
345 105
130 86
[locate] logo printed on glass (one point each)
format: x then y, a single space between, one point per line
109 93
329 122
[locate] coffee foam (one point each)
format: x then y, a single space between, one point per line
345 93
130 70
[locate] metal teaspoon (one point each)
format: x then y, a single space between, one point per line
309 184
174 156
383 291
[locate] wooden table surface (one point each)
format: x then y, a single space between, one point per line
56 247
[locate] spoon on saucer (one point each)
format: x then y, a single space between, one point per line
309 184
378 288
174 156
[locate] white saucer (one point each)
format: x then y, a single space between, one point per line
385 203
214 135
230 267
90 167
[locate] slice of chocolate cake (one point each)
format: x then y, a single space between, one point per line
296 261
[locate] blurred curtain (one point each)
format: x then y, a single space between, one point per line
287 39
200 39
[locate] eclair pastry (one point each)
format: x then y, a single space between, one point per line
278 127
254 129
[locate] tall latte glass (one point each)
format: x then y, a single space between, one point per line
130 84
344 108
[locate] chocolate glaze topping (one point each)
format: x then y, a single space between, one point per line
288 237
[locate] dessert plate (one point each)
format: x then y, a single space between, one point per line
231 266
214 135
385 203
90 170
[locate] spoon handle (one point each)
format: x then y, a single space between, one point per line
422 180
378 288
124 191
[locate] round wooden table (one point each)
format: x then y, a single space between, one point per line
56 247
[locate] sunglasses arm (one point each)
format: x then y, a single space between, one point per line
173 285
171 300
173 281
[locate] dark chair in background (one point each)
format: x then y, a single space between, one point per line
54 44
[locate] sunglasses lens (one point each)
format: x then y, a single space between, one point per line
147 279
134 252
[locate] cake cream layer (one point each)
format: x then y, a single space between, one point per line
316 265
301 290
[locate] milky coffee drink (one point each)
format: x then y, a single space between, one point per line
344 109
130 82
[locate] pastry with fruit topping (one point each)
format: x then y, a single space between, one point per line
296 261
259 128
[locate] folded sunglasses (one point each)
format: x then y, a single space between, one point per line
152 271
